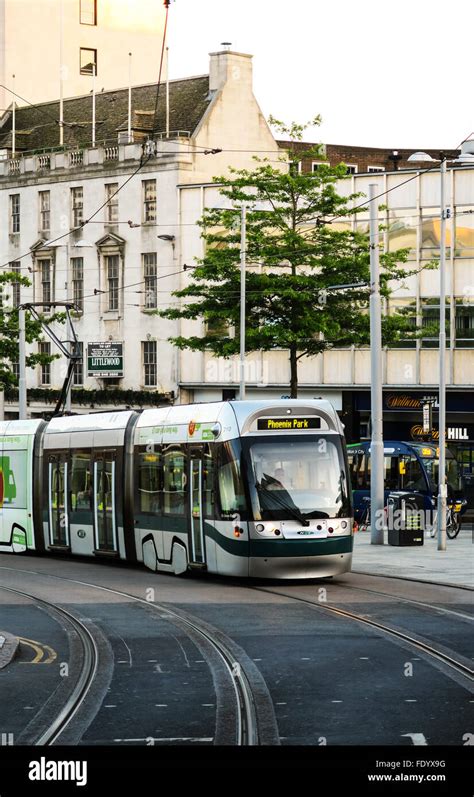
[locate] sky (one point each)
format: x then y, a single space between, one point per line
380 74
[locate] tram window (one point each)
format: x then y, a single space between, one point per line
208 483
149 481
231 491
57 501
174 481
81 487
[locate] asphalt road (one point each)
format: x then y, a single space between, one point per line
317 675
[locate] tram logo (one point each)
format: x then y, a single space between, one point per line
191 428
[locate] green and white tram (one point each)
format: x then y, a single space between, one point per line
251 488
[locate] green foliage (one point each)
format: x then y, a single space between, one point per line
296 250
9 335
97 398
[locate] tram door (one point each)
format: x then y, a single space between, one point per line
58 486
196 510
105 519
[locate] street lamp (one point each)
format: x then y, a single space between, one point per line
464 158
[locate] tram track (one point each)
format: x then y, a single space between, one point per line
86 676
460 668
422 604
247 731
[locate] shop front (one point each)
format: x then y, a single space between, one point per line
413 415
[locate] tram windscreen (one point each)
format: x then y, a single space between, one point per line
299 479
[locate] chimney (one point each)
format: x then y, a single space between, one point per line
227 66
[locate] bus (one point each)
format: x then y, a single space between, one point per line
408 466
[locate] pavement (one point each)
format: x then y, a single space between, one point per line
455 566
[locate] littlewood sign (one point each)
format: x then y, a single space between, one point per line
105 359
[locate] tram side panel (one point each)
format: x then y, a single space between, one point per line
179 518
17 446
83 490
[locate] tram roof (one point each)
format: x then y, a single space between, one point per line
19 427
232 415
96 421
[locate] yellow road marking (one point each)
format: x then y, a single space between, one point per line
44 654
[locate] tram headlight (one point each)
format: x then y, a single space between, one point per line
260 527
343 524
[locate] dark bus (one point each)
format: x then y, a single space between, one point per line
410 467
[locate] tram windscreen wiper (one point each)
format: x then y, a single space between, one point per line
276 497
315 514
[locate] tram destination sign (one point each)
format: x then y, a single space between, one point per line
288 424
105 359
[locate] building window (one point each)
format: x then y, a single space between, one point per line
88 12
15 267
430 323
78 374
112 277
15 368
351 168
77 264
295 167
111 208
431 234
149 200
464 240
149 363
77 206
44 211
88 61
14 213
316 165
465 323
150 277
405 308
46 282
375 169
45 369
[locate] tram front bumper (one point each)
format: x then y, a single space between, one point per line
300 567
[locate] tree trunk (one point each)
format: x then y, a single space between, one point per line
293 372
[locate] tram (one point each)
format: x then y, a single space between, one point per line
250 488
407 466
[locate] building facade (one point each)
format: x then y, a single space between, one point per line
121 263
364 160
60 41
123 254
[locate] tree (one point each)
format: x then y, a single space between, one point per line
9 333
297 248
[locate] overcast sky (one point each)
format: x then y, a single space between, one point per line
379 73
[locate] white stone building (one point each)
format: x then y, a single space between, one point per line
130 255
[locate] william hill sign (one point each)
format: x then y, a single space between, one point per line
105 359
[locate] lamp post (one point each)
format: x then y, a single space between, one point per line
465 158
243 257
376 380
